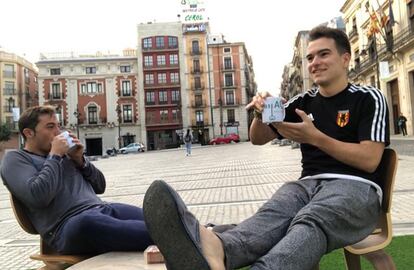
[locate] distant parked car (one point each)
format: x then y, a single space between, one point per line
229 138
132 148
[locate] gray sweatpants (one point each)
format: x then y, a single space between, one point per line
301 222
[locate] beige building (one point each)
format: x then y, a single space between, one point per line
96 96
18 90
391 48
295 78
18 85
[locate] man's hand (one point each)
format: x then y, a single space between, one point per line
257 102
303 132
76 153
59 146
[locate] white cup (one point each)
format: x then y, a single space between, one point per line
69 139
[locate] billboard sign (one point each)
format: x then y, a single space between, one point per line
192 11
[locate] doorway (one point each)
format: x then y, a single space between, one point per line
395 103
94 147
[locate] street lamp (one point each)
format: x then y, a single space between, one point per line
118 112
77 114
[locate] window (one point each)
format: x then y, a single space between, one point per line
196 65
149 117
148 62
9 88
195 46
91 88
56 91
197 83
228 79
162 77
199 117
227 63
227 50
231 116
198 100
164 115
172 42
159 42
173 59
175 96
55 71
90 70
174 113
8 71
150 97
127 113
160 60
162 97
149 78
26 75
125 69
126 88
147 43
93 115
174 77
229 98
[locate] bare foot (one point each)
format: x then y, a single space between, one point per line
212 249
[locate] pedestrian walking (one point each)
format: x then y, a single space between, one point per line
402 124
188 139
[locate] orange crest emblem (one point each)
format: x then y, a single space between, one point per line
342 118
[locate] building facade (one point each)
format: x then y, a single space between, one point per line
18 91
383 36
95 95
161 67
18 86
232 87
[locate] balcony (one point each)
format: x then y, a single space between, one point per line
160 49
9 74
197 87
198 104
231 103
8 108
228 67
196 70
55 97
195 52
353 33
403 39
229 85
93 123
9 91
160 67
162 85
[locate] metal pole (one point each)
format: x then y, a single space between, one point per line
377 62
118 111
209 86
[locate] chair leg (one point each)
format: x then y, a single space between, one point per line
380 260
316 267
353 261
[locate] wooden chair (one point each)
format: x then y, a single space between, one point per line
51 259
372 246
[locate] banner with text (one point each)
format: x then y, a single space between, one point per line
192 11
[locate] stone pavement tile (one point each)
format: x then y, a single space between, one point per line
17 258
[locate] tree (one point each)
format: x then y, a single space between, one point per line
4 134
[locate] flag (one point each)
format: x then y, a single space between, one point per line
391 20
374 27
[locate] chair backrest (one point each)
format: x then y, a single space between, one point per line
386 172
21 215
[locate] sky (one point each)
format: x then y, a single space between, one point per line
267 27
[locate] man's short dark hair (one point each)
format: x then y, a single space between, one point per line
30 117
340 38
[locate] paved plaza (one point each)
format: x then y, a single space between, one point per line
220 184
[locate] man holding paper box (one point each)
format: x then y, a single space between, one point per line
343 129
